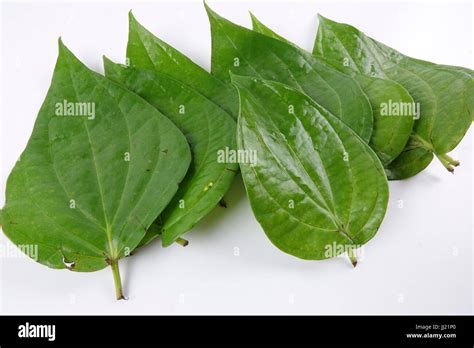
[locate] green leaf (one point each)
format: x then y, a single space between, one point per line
261 28
317 188
210 132
390 133
466 72
86 188
146 51
245 52
445 94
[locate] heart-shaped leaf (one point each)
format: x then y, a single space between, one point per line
100 166
211 135
317 189
391 132
245 52
445 94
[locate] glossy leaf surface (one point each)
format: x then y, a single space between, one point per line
445 94
89 184
316 185
245 52
390 133
210 131
146 51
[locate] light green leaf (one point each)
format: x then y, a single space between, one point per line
210 132
317 189
391 132
245 52
86 188
445 94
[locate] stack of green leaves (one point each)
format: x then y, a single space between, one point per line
323 137
90 188
89 191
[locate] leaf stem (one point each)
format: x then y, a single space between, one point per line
117 280
425 144
447 161
181 241
352 257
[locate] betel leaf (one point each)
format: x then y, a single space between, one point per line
100 166
146 51
390 133
210 132
261 28
445 94
465 71
317 188
245 52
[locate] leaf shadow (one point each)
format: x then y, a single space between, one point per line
234 196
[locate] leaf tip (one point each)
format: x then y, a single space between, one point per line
255 21
132 21
61 44
106 60
63 48
210 12
322 19
108 64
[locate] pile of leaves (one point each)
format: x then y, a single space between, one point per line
114 162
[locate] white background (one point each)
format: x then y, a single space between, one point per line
419 262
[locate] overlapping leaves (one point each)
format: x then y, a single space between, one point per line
114 162
390 134
88 185
316 184
209 130
245 52
445 94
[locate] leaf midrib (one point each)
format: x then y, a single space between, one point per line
331 214
108 230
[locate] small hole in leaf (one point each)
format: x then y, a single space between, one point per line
69 264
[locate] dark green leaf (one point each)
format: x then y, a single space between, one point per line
246 52
445 94
316 186
210 131
146 51
390 133
86 188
